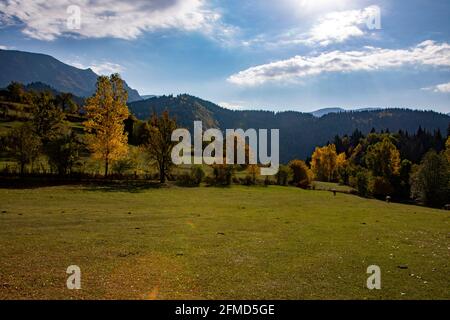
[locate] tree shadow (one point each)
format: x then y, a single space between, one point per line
95 185
122 186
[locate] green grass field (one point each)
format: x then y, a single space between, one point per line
218 243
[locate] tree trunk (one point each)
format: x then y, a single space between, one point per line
162 174
106 167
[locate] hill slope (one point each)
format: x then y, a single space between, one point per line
27 67
300 132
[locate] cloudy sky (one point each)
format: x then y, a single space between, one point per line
254 54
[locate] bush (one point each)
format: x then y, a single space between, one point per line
302 175
249 181
122 166
223 174
197 174
283 175
361 183
192 179
380 187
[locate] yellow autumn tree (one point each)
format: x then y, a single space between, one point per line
301 175
106 111
324 162
383 159
341 160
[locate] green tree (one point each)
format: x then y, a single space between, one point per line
447 149
47 118
66 103
283 175
63 152
430 181
23 145
159 144
16 92
106 112
362 182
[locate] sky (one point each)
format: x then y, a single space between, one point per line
251 54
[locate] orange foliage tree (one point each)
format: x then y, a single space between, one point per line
106 111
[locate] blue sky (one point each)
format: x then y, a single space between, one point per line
277 55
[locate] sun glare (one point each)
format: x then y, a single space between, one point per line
319 5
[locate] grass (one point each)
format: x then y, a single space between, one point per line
218 243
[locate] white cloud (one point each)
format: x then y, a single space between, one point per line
232 105
115 18
340 26
100 68
106 68
427 53
3 47
333 27
440 88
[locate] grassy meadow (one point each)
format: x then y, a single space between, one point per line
240 242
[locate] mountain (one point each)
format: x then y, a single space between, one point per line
322 112
147 96
300 132
27 67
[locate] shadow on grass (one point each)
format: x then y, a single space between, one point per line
122 186
97 185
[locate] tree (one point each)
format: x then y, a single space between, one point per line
158 142
23 145
283 175
383 159
66 103
302 175
362 182
447 149
16 92
430 181
63 152
323 162
106 112
47 118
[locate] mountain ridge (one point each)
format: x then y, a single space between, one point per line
300 132
27 67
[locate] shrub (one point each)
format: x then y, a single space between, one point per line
192 179
283 175
380 187
302 175
361 183
223 174
197 174
122 166
249 181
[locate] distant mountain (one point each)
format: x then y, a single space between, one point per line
147 96
42 87
321 112
27 67
300 132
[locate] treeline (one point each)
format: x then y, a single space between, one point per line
399 166
314 131
23 97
